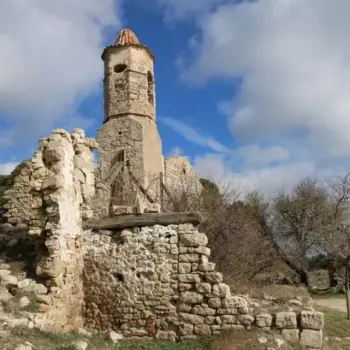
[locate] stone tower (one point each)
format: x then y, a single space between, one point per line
130 145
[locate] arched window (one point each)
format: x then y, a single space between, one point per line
150 87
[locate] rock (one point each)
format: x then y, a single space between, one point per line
192 319
191 297
5 296
8 279
291 335
5 273
221 290
295 302
310 338
263 320
17 322
80 344
279 343
262 340
39 289
24 283
115 337
84 332
194 239
166 335
311 320
24 302
44 299
23 347
213 277
286 320
214 302
246 320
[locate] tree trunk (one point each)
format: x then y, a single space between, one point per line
347 292
332 274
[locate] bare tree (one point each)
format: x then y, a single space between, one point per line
238 247
293 222
336 240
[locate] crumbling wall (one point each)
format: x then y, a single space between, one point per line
59 181
159 282
180 179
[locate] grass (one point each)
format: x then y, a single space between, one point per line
56 341
236 340
328 296
336 324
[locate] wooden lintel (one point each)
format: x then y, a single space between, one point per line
145 219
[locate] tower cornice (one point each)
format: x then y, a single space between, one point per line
116 48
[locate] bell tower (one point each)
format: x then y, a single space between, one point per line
129 135
128 78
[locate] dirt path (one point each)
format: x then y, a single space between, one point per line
330 303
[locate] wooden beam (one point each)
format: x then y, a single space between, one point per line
145 219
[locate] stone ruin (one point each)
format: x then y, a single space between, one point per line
144 281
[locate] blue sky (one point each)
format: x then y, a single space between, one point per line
255 93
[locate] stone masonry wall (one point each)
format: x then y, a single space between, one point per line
158 282
61 175
117 135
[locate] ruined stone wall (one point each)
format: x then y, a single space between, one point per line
61 175
159 282
179 178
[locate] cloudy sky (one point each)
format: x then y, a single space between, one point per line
253 92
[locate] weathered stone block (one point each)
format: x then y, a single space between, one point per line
213 277
291 335
263 320
311 320
202 329
184 267
192 319
311 338
189 278
186 329
194 239
286 320
191 297
214 303
204 288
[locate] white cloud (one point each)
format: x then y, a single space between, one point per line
50 59
257 156
193 135
293 59
6 168
268 180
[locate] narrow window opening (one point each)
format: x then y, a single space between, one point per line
150 87
119 68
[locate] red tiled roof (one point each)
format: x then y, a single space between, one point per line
127 36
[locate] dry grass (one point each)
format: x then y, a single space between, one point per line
233 340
